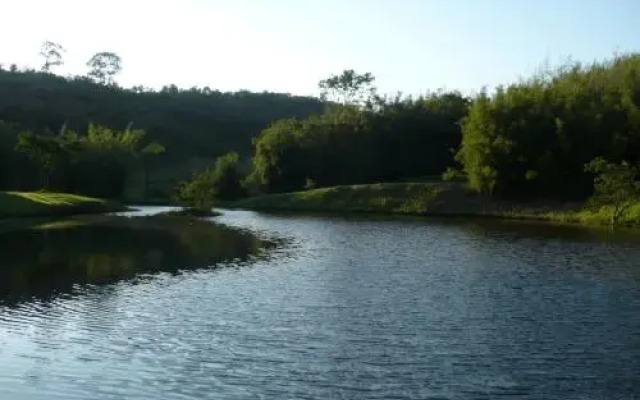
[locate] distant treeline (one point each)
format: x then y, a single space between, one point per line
191 122
194 125
531 139
390 140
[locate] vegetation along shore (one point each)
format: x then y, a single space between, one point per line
563 145
432 199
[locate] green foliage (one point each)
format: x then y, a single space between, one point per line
94 163
227 177
205 187
48 151
615 186
346 144
387 198
438 199
529 139
348 87
195 125
103 67
532 139
199 192
104 158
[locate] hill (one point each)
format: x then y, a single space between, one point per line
194 125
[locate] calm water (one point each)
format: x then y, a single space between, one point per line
340 309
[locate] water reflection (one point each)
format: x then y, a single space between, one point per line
360 309
51 258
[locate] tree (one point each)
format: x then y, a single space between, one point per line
103 158
95 163
533 138
52 54
199 192
227 177
348 88
104 67
615 186
223 182
48 151
194 125
400 139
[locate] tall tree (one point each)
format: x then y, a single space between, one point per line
348 88
48 151
52 54
104 66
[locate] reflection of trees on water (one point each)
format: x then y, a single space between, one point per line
43 262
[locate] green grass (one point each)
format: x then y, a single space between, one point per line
430 199
601 216
415 198
45 204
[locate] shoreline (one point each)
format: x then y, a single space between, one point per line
442 200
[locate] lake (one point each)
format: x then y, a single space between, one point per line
261 306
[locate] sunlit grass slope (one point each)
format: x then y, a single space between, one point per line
44 204
389 198
430 199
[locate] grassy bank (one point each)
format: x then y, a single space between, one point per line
44 204
428 199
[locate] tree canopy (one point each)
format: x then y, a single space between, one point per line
403 138
348 88
96 162
194 125
104 66
52 55
533 138
530 139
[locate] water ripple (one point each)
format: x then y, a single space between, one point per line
346 309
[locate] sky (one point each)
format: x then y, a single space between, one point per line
410 46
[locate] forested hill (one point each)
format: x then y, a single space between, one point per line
189 123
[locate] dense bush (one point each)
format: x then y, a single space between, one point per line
96 162
207 186
393 140
533 138
198 193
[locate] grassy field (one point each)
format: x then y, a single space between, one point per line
44 204
428 199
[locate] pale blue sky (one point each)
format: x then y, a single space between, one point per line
289 45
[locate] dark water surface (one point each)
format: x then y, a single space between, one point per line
342 308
